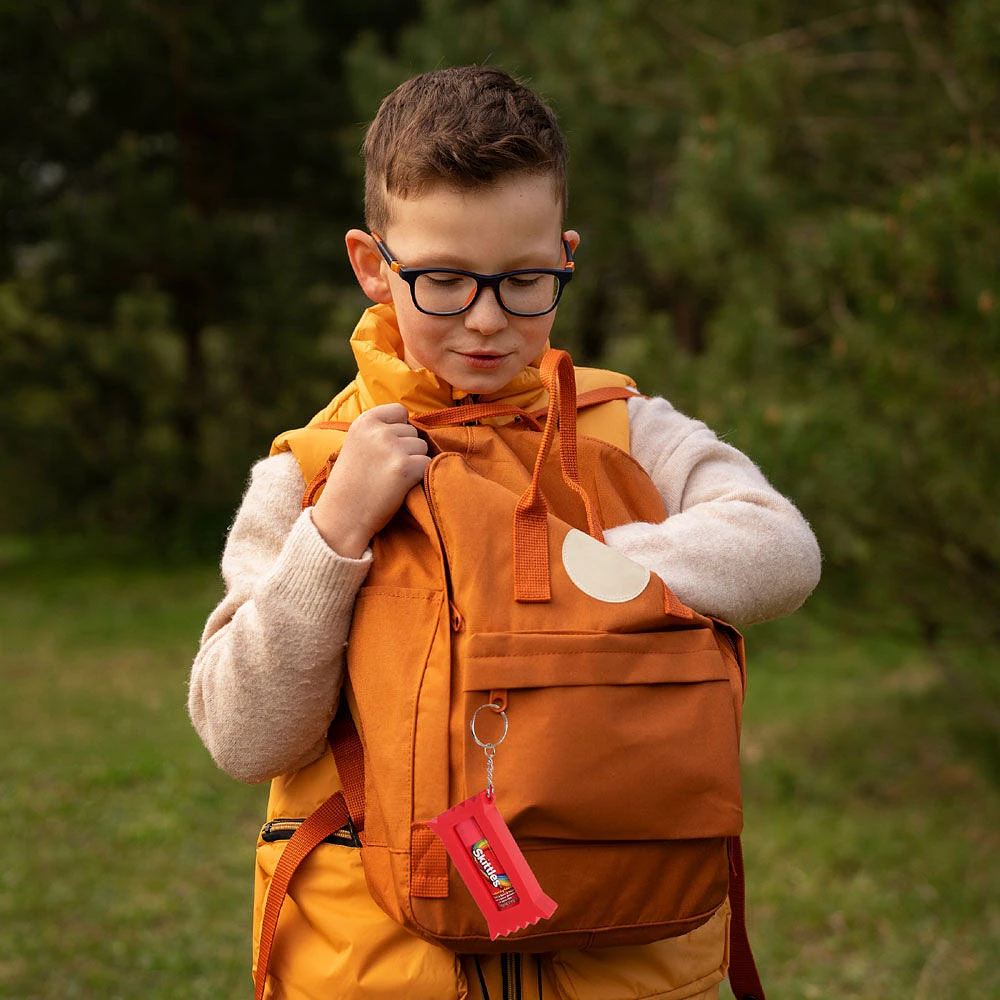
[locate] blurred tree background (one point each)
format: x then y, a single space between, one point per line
789 215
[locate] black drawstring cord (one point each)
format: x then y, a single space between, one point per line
517 959
482 978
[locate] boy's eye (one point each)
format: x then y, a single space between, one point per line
443 292
524 280
444 280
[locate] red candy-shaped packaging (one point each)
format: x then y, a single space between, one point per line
492 866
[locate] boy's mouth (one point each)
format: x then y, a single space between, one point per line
483 359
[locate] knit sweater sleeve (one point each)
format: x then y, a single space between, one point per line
266 680
731 546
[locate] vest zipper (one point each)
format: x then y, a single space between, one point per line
510 972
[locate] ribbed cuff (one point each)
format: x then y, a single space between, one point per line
311 577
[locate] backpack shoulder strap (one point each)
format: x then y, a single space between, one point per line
601 413
340 809
601 398
314 447
743 976
325 820
598 419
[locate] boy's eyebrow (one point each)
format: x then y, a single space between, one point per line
435 258
448 259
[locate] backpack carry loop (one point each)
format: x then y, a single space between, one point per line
531 548
532 582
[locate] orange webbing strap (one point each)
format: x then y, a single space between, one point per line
743 976
568 404
448 417
467 412
594 397
341 808
327 819
532 582
349 756
317 483
454 415
319 480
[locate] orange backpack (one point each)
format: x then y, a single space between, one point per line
619 773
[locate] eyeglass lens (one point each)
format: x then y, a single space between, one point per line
441 292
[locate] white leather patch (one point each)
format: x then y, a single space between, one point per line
601 572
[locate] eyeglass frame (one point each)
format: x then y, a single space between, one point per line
411 274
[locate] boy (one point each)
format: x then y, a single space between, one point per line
465 170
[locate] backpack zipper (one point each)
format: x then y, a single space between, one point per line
283 829
457 620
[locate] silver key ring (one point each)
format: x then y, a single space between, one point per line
472 725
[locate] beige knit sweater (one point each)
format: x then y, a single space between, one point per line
266 680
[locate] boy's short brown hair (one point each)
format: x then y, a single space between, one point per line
461 127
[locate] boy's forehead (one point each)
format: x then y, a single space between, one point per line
542 189
522 212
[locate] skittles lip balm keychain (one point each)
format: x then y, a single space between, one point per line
486 855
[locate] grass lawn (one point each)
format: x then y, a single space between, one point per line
873 823
126 861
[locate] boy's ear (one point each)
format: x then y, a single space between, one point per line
572 237
368 265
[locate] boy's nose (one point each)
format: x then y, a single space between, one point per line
485 315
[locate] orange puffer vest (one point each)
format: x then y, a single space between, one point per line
333 939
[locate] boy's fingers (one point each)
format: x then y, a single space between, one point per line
413 445
390 413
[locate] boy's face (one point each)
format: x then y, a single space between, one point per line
513 223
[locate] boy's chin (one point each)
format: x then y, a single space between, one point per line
479 387
478 375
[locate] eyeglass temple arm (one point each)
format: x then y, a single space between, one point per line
384 250
570 263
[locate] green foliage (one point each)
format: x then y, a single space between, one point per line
915 333
862 371
786 216
174 287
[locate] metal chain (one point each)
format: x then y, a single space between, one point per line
489 749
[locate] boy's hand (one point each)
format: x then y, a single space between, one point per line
382 457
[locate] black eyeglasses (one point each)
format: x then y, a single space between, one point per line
448 291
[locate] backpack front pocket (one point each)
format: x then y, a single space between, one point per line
610 736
